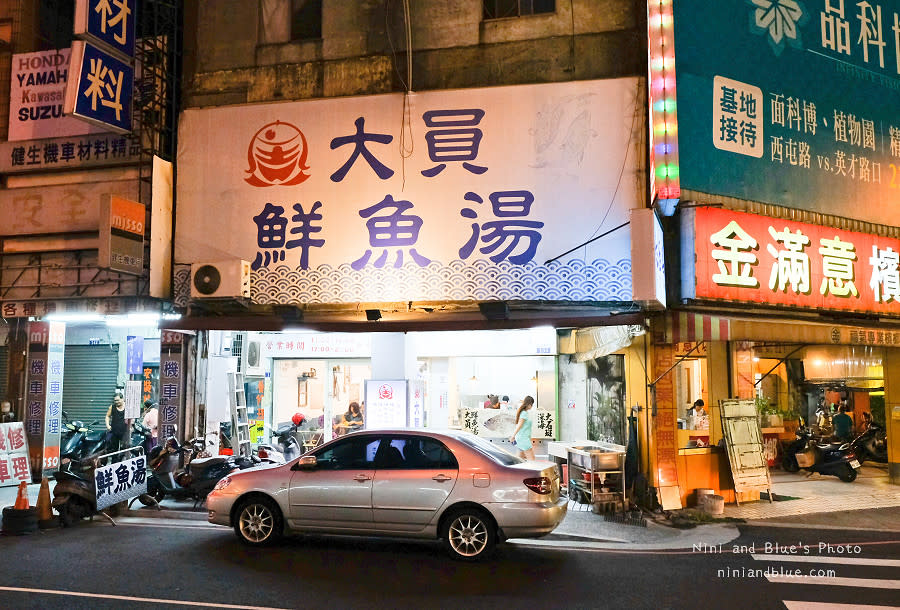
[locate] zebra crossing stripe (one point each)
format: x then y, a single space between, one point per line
869 583
855 561
796 605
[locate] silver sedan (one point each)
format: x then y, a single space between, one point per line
411 483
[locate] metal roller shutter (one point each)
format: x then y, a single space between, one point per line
89 381
4 370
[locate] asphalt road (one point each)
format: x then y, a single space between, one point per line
163 564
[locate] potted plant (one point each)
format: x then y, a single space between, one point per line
790 419
764 410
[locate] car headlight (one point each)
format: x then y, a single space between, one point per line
222 484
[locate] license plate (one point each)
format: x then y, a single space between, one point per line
854 463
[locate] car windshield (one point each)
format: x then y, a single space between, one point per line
491 450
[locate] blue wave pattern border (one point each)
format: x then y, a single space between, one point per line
479 280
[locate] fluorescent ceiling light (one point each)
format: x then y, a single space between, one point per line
73 317
134 319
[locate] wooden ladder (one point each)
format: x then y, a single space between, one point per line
240 421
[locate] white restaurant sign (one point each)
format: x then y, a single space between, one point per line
341 200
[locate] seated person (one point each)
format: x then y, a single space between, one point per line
352 419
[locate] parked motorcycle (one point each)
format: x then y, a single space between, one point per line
141 435
195 480
79 441
74 495
72 436
285 441
871 444
836 459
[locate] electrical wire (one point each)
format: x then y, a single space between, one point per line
405 141
618 184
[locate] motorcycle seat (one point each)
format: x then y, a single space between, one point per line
198 465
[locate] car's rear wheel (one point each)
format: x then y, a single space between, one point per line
469 534
258 522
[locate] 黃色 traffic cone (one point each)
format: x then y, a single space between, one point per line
22 498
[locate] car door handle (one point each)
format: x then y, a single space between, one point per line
441 478
362 477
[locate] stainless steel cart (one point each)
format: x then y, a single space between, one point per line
586 463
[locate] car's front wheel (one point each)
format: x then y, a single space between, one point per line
258 522
469 534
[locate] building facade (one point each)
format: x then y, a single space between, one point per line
773 159
432 181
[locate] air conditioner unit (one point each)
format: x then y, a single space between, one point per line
220 280
253 359
248 354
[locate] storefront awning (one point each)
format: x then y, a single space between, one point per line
686 326
597 341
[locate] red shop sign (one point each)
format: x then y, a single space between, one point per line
757 259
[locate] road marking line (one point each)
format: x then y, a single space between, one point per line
869 583
792 605
858 561
149 600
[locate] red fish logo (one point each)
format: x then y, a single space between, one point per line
277 156
385 392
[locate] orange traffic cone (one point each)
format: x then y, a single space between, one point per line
43 502
22 498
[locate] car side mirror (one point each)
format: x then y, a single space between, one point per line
307 462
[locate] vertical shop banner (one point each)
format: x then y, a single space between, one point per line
133 399
256 413
43 410
150 383
417 405
386 403
664 431
134 355
13 454
171 383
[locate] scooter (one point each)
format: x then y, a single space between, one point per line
80 441
836 459
75 495
140 435
871 444
285 441
197 478
72 436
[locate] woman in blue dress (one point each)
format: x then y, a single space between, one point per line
522 436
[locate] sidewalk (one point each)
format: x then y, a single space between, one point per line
803 494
